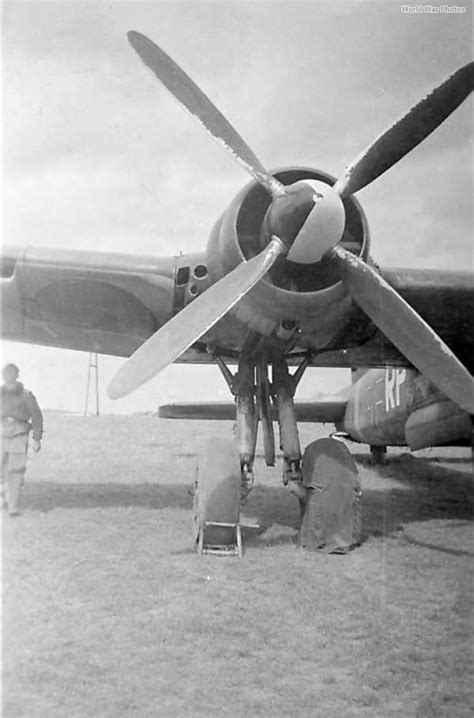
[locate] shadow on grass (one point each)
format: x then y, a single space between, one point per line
424 491
402 462
48 495
430 491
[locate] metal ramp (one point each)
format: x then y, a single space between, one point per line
219 538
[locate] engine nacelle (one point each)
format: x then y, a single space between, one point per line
437 424
293 298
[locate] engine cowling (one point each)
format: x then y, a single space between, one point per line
293 298
440 423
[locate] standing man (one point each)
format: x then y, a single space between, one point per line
20 415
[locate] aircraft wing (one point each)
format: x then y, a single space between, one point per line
443 298
326 410
107 303
112 303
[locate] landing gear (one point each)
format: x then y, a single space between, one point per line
247 481
247 407
284 387
216 514
256 397
225 475
378 454
243 387
331 521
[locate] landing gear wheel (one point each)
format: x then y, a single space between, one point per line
217 495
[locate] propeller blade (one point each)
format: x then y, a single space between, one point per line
188 94
177 335
407 132
406 329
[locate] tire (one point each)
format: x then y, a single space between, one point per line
217 495
332 517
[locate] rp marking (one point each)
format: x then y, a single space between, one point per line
394 378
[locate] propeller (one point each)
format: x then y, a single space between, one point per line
200 107
185 328
406 329
310 219
390 147
407 133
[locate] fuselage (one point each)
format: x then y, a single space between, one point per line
395 406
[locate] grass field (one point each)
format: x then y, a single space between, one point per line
109 612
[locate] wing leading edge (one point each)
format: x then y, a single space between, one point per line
111 303
108 303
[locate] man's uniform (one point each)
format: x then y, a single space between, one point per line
20 415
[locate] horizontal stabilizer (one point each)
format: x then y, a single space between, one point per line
321 411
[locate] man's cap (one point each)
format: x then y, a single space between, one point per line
10 368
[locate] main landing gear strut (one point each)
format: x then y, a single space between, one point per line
257 400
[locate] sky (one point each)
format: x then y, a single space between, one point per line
97 155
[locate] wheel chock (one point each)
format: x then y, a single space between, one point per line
209 534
